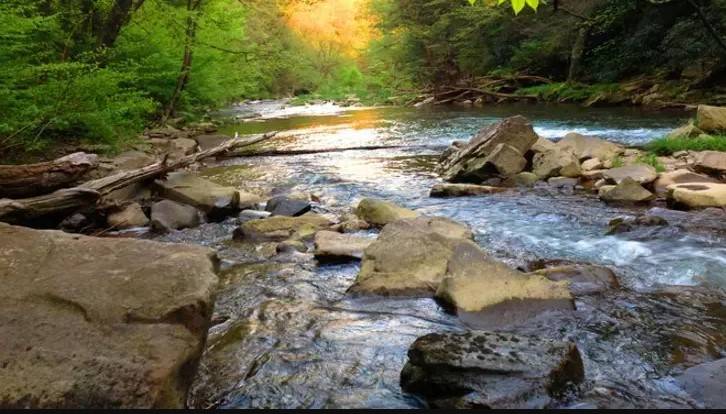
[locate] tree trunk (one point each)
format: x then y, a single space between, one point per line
186 68
578 51
33 179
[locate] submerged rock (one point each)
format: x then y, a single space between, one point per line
706 383
491 370
627 191
335 247
583 279
624 225
167 215
463 190
379 212
495 150
711 118
523 179
279 228
100 322
410 257
698 195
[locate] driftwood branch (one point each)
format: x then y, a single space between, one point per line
29 180
89 193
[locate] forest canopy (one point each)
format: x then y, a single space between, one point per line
99 71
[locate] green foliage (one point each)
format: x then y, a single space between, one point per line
668 146
618 161
652 160
569 92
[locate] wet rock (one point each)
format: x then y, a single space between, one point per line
102 322
585 147
627 191
463 190
410 257
710 162
336 247
556 162
210 141
379 212
698 195
706 383
132 160
642 174
247 215
291 246
711 118
74 223
187 188
167 215
496 150
128 217
489 294
592 164
279 228
623 225
686 131
523 179
286 206
583 279
350 223
563 182
490 370
679 177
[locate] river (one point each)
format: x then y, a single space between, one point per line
286 335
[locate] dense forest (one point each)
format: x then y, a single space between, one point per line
99 71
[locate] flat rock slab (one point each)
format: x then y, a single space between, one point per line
100 323
463 190
679 177
641 174
710 162
698 195
490 370
336 247
205 195
286 206
167 215
280 228
586 147
706 383
628 191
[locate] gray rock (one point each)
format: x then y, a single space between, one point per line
336 247
187 188
132 160
210 141
556 162
279 228
490 370
102 322
286 206
563 182
128 217
583 279
628 191
379 212
167 215
586 147
710 162
706 383
642 174
462 190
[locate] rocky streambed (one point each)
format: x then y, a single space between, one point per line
344 284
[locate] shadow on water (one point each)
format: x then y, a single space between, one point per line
288 336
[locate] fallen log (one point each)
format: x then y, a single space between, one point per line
65 201
29 180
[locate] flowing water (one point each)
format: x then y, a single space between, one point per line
288 336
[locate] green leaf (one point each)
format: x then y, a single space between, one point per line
518 5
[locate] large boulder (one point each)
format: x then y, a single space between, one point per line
542 145
556 162
463 190
279 228
640 173
681 176
710 162
336 247
128 217
205 195
167 215
287 206
489 294
379 212
410 257
627 191
495 150
491 370
711 118
698 195
585 147
100 322
706 383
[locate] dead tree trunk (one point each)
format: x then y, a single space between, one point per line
578 52
34 179
186 68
